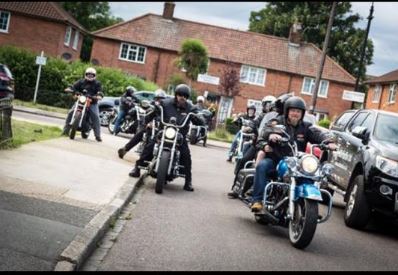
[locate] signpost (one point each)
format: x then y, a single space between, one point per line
353 96
40 60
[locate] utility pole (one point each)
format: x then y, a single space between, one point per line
365 42
320 70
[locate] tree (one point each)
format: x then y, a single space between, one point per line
92 16
229 81
193 58
345 40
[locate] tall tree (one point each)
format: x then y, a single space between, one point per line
345 39
92 16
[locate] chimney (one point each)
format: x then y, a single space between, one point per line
295 33
168 10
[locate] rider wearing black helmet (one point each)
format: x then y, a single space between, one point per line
299 130
127 101
177 107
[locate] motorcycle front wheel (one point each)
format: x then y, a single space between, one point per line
75 125
303 224
111 125
193 139
162 171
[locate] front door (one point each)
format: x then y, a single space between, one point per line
224 109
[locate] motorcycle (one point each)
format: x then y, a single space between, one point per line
197 133
165 164
144 105
291 197
80 119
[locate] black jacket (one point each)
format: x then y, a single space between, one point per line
93 88
171 109
302 134
124 102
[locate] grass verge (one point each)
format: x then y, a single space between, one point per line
26 132
29 104
221 134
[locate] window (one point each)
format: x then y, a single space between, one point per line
76 40
309 86
131 52
393 93
376 94
257 103
252 75
4 21
68 35
343 119
357 121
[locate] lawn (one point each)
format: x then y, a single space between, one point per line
43 107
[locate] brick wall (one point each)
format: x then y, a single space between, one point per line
159 66
383 103
37 35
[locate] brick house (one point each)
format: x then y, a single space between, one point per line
382 92
41 26
148 45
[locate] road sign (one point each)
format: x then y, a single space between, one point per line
353 96
41 60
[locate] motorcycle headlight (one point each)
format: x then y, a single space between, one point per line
82 99
170 133
388 166
327 169
291 162
309 164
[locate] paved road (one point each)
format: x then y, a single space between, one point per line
205 231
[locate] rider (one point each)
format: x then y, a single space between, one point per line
177 107
127 101
137 138
93 88
200 103
250 115
300 131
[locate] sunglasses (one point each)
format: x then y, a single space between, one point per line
90 74
183 95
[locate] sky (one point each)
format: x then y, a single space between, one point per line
235 15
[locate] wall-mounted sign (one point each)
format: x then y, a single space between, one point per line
205 78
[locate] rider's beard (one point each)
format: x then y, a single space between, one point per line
294 121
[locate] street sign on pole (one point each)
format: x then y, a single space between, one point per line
353 96
40 60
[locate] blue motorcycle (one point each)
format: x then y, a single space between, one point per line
291 197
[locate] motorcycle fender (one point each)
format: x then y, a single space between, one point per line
307 191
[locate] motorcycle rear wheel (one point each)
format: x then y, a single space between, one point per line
303 224
75 125
162 171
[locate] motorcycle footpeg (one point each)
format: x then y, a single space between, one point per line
268 216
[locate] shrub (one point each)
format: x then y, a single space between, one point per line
230 127
324 123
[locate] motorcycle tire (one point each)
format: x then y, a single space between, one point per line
111 125
85 135
193 139
75 125
162 171
357 211
303 224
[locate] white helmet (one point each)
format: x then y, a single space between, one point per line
200 98
268 98
90 74
159 93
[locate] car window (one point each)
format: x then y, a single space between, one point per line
357 121
386 128
369 122
4 69
343 119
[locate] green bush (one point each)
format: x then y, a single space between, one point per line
58 74
230 127
324 123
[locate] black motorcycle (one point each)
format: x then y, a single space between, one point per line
198 133
80 118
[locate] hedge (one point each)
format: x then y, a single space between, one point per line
324 123
58 74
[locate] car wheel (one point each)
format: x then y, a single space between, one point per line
357 210
104 116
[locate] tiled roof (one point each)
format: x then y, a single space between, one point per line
48 10
227 44
385 78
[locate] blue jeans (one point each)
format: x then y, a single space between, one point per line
121 115
234 143
93 112
261 178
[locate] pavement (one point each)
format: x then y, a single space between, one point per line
59 197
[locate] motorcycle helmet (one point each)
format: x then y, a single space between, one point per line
183 90
279 103
267 102
131 90
252 107
294 102
90 74
200 99
160 94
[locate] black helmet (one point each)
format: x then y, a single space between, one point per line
280 102
253 107
131 89
183 90
294 102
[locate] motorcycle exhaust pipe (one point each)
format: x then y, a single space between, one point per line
336 189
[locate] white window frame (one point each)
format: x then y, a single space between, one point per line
245 78
376 94
8 21
257 103
129 46
393 93
68 36
312 86
76 40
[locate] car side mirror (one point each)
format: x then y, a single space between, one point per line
116 102
359 132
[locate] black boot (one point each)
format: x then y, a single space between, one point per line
188 186
121 152
135 173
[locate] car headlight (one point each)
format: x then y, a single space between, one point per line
170 133
388 166
82 99
309 164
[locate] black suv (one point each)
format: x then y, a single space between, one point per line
6 82
366 164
